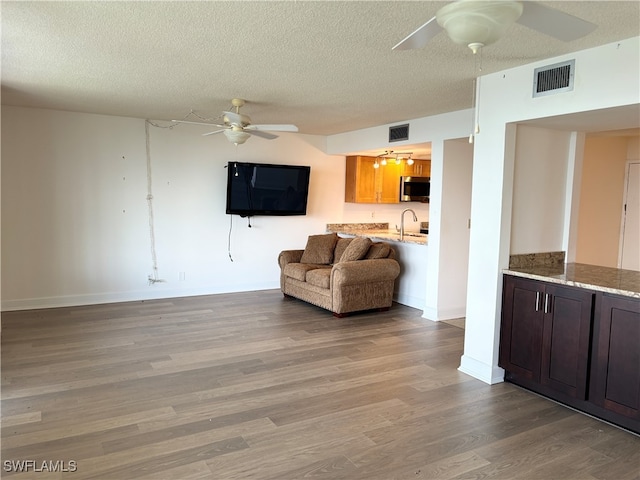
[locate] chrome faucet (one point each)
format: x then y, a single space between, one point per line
415 219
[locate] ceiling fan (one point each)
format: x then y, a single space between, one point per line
237 127
477 23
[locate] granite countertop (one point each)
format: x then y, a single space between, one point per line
377 231
593 277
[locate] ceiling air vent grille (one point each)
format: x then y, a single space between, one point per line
553 78
399 132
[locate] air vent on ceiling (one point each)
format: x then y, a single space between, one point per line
553 78
398 133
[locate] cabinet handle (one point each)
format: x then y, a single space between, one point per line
537 301
547 302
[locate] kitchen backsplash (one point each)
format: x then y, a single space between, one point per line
536 259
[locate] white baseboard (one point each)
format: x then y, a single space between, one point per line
486 373
153 293
437 315
408 300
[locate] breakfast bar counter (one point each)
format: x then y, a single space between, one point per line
377 231
411 254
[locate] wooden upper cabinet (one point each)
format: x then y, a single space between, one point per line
366 184
420 168
388 180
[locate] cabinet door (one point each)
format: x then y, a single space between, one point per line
420 168
360 180
566 338
366 184
423 168
389 183
521 328
409 170
616 378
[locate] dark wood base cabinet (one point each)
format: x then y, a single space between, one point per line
576 346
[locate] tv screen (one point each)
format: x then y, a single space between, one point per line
265 189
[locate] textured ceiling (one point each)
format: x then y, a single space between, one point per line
325 66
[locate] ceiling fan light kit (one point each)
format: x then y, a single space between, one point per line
477 24
237 137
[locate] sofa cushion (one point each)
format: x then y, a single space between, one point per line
299 270
320 277
342 244
356 250
378 250
319 249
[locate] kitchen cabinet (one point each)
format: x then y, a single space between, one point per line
578 346
366 184
616 372
545 334
420 168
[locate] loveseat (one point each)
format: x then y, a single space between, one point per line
342 275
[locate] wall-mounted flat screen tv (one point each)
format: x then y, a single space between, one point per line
266 189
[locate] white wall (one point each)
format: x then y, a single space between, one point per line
539 185
410 286
421 130
605 77
447 285
75 224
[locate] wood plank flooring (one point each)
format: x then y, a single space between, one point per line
255 386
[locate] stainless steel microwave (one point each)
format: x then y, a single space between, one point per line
415 189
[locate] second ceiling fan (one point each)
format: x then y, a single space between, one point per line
477 23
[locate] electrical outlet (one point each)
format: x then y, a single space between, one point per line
373 214
182 276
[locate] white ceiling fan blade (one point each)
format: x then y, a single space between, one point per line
260 133
214 132
420 37
273 128
198 123
553 22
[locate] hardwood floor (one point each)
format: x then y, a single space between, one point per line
255 386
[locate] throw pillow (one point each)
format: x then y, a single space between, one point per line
378 250
342 244
319 249
356 250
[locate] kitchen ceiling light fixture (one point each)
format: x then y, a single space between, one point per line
388 154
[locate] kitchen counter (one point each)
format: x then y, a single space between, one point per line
593 277
377 231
